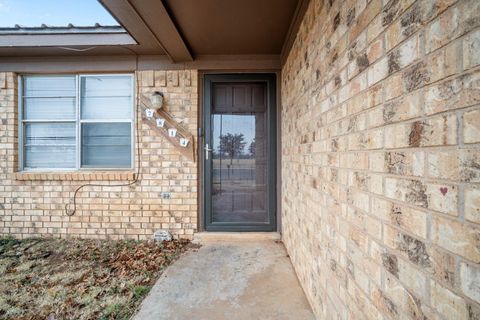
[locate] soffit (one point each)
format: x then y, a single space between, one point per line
225 27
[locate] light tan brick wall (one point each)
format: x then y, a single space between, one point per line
33 204
381 158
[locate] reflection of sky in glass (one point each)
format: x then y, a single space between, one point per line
234 124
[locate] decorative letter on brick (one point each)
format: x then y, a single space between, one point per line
172 132
160 122
149 113
184 142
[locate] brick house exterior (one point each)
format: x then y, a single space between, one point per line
33 204
379 168
380 158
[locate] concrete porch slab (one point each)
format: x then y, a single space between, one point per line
229 280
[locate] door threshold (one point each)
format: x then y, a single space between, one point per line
200 237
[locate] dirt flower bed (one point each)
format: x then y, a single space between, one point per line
79 279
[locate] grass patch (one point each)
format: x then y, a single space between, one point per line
140 291
116 311
79 279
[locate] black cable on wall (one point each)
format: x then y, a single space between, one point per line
137 132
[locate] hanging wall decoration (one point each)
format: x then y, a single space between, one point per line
162 122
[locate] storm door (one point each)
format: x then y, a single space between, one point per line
239 153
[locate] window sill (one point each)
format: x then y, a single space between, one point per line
76 176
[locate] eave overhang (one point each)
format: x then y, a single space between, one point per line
211 33
149 22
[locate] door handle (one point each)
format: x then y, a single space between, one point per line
207 151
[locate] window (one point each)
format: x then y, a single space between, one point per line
76 122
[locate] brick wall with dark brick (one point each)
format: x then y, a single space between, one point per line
33 204
381 158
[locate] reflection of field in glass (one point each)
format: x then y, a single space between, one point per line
237 197
236 163
240 172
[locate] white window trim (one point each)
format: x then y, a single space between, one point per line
78 122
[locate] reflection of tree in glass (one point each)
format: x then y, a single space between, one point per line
232 145
251 148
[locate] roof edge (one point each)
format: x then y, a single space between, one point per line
70 29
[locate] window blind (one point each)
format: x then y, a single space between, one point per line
77 121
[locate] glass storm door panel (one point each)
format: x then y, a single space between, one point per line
237 157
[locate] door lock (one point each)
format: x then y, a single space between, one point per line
207 151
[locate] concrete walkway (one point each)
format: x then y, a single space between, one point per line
229 280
